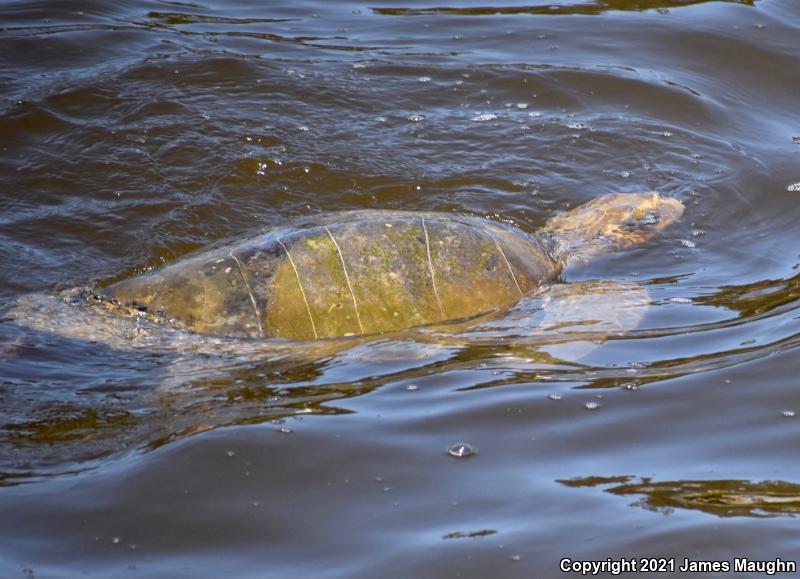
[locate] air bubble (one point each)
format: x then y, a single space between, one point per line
592 405
794 187
680 300
416 118
230 453
412 387
462 450
630 386
688 243
424 79
788 413
555 397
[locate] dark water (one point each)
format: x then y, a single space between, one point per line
134 132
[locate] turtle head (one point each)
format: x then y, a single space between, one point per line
612 223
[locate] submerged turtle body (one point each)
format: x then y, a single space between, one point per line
378 271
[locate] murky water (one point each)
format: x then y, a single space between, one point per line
132 133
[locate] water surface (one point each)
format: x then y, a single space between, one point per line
132 134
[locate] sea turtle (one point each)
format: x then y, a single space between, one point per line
444 288
371 272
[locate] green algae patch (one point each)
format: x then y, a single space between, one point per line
375 276
471 274
387 264
288 315
316 266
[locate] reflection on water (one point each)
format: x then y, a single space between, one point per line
758 298
198 383
723 498
469 534
579 334
586 7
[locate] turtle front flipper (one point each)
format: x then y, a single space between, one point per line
559 323
611 223
579 317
